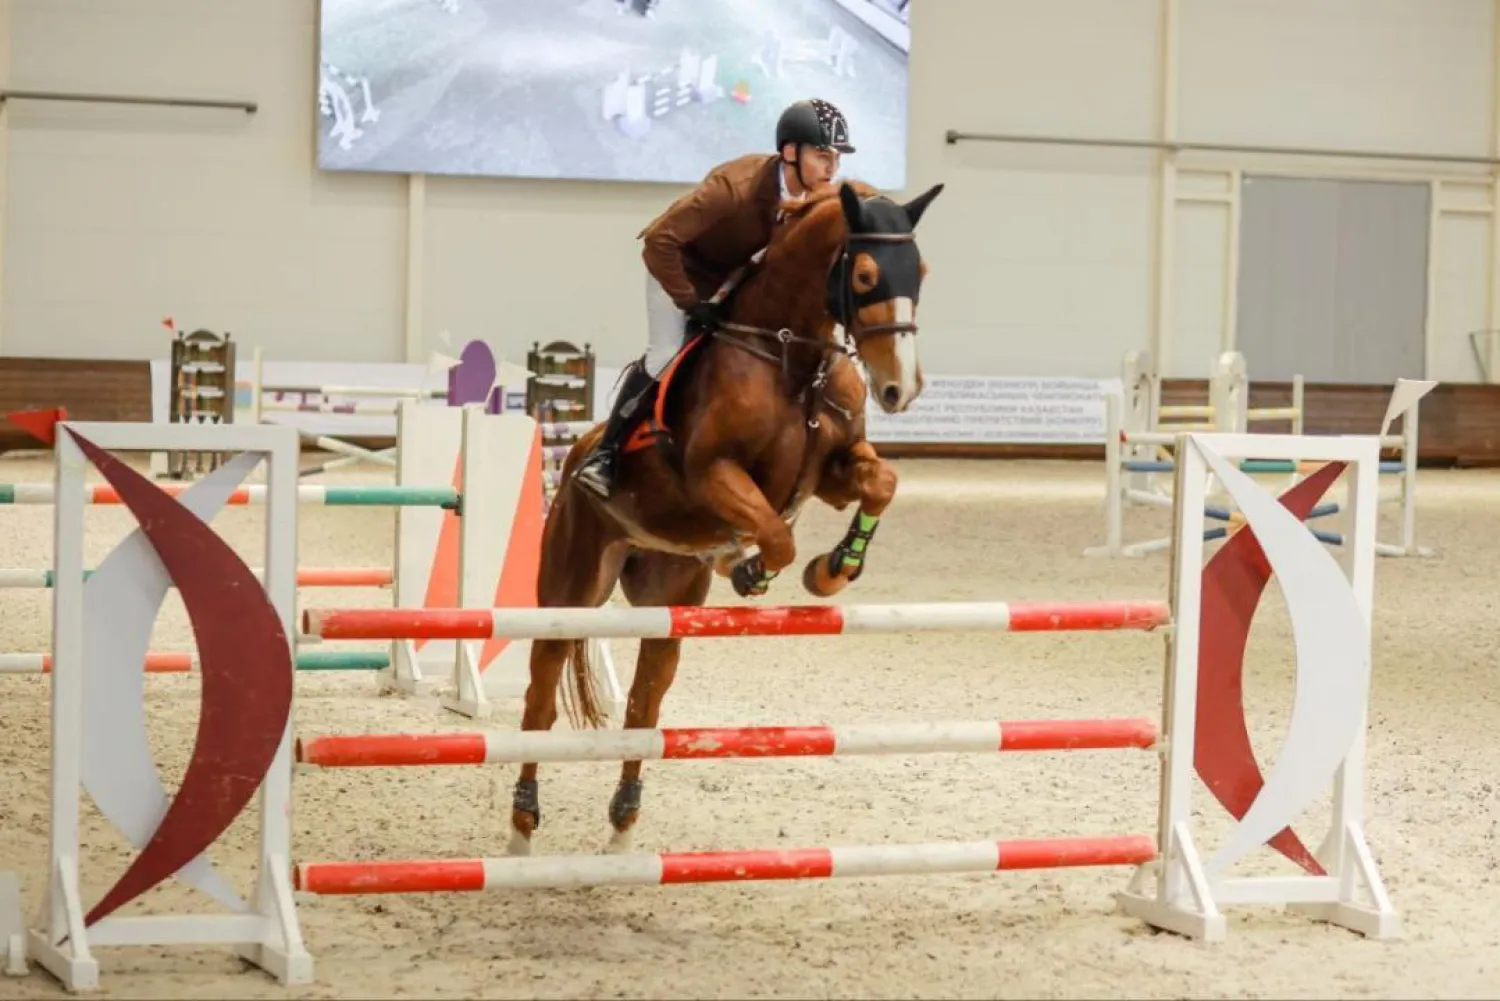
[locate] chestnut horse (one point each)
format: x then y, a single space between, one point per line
751 420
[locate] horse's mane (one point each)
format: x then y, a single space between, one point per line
802 246
815 221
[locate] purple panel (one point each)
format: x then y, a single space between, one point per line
471 379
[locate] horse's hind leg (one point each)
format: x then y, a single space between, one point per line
859 475
653 579
579 569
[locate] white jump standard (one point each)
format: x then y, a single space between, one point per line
264 930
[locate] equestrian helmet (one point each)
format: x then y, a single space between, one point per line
816 123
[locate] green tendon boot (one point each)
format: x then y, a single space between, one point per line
825 576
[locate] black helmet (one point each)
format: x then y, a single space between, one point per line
816 123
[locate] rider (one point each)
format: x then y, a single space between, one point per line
693 247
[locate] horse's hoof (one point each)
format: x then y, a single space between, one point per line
819 582
750 579
620 842
625 805
525 814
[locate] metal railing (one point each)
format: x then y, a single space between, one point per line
248 107
954 136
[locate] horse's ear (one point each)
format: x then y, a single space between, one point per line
918 205
853 212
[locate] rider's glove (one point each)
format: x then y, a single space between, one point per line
705 315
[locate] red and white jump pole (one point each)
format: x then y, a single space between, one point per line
691 743
547 872
681 622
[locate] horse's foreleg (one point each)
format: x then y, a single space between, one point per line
728 490
869 479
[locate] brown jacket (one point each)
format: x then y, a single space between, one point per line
702 237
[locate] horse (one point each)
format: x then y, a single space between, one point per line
750 419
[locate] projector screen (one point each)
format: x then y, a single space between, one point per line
608 90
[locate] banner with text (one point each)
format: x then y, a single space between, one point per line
998 410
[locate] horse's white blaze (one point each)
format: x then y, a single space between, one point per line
906 354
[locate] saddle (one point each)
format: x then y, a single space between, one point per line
651 425
652 428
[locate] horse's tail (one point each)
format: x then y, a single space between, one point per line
580 695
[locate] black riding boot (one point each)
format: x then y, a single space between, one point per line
597 472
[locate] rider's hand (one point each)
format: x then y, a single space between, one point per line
706 315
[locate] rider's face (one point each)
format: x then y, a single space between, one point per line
818 165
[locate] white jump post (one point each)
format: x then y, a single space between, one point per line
1330 601
494 461
1136 411
266 930
1407 497
1144 420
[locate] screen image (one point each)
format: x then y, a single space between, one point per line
608 90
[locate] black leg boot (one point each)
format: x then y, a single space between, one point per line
597 471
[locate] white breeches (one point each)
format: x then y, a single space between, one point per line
667 324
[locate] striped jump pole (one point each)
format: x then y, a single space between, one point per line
683 622
21 577
178 663
667 868
699 743
394 495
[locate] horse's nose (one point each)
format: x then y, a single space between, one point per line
891 394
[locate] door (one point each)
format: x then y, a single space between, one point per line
1333 279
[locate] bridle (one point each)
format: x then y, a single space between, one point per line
842 303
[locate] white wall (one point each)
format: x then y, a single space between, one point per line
121 215
1386 75
1371 74
1042 259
